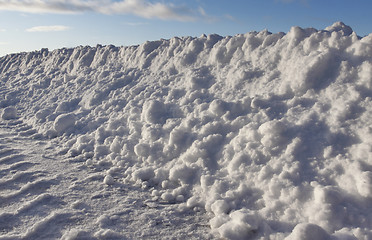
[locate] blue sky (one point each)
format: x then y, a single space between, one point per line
27 25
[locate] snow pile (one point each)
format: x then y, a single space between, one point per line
270 134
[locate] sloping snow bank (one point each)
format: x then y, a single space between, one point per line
269 133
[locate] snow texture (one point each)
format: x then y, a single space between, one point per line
266 135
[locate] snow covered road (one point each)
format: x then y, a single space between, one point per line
46 195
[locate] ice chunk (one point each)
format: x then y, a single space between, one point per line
167 196
183 173
154 111
220 207
308 231
9 113
64 122
244 224
109 180
76 234
144 174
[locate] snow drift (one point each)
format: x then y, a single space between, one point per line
270 134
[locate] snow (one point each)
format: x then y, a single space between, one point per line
253 136
9 113
308 231
64 122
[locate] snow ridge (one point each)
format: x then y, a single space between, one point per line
268 133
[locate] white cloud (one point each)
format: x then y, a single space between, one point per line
133 24
42 6
142 8
56 28
145 9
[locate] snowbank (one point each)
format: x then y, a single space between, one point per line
268 133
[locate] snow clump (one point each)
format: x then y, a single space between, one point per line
64 122
9 113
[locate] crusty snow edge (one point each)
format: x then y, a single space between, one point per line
269 133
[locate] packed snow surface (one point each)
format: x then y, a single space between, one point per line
258 135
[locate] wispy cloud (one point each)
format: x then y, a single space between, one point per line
2 30
55 28
142 8
229 17
133 24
